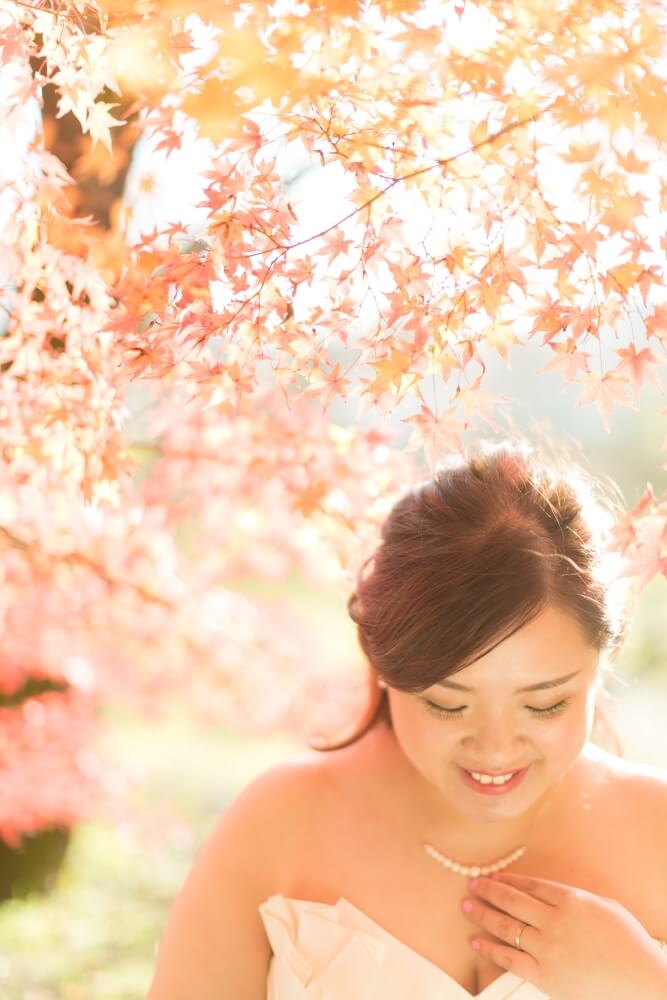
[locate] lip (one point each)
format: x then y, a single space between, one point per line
494 774
492 789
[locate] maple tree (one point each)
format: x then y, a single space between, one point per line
120 552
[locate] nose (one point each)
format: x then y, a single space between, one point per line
495 744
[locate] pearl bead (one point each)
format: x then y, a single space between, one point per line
473 870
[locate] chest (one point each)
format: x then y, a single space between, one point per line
350 849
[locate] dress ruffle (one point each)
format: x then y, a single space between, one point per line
324 951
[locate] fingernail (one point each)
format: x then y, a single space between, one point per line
467 905
475 944
474 882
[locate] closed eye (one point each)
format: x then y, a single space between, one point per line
451 712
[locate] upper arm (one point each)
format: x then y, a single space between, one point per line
645 814
214 946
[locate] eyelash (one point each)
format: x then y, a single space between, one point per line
543 712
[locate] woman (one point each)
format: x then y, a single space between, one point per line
489 620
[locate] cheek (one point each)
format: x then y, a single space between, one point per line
566 737
417 728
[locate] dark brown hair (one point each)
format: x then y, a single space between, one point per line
473 554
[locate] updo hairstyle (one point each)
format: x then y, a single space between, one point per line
470 556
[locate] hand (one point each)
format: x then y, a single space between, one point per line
576 944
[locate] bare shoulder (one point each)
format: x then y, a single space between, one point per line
271 807
214 945
636 793
645 785
647 782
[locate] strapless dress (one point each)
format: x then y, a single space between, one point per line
333 951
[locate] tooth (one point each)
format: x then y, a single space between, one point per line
486 779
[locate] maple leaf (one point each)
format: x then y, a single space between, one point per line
624 533
641 367
656 323
99 123
582 153
301 270
437 435
170 141
650 92
644 558
13 43
333 383
607 390
391 371
477 401
335 244
569 360
248 138
309 499
501 336
631 162
217 109
626 275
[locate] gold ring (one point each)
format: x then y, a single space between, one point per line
517 936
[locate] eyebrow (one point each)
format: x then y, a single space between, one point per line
531 687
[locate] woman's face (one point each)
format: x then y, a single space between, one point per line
497 726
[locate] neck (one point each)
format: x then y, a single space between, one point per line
467 839
471 841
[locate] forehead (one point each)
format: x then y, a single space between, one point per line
551 646
542 685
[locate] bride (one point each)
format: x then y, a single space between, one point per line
471 840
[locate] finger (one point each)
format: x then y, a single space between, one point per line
518 903
553 893
502 925
519 962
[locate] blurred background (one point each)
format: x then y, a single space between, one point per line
83 910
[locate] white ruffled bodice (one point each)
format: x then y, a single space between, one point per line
325 951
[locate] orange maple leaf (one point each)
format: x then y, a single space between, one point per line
656 323
640 367
391 371
309 499
582 153
626 275
631 162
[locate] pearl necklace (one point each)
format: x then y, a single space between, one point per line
473 870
